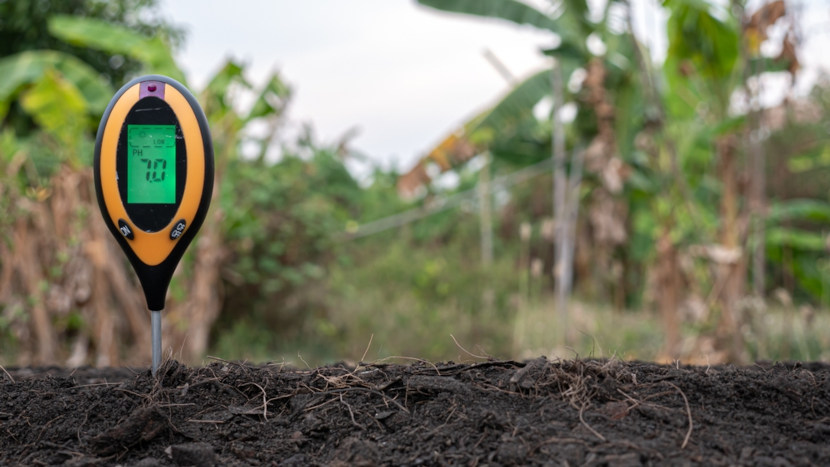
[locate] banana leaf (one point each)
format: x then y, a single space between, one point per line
797 239
799 209
58 107
26 68
107 37
569 22
271 99
509 10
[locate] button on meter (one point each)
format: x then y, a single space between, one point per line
154 179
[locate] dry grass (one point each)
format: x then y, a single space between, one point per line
531 330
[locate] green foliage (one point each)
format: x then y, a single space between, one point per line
817 157
25 26
281 224
27 68
511 122
799 210
52 99
30 53
56 98
796 241
271 100
58 108
568 21
704 34
702 59
151 51
412 297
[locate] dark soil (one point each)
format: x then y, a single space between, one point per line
493 412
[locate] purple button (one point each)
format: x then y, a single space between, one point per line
151 88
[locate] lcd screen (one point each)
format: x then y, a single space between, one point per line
151 164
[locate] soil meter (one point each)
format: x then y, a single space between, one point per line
153 178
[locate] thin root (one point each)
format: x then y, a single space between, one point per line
688 412
582 419
264 399
7 374
467 351
365 352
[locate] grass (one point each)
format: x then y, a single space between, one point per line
593 331
527 330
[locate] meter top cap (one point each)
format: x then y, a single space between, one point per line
154 176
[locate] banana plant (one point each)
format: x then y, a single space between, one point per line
511 119
63 95
609 114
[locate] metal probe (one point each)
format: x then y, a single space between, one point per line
155 319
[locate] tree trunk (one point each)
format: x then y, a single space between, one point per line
730 278
668 295
28 265
485 212
560 217
757 200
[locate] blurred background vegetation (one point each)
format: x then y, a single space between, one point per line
652 211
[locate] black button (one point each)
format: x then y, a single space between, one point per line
177 230
125 229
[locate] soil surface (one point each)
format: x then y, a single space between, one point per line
486 413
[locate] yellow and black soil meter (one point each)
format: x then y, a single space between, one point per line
154 178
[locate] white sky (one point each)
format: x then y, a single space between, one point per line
402 74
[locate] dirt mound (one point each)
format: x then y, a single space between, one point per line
492 412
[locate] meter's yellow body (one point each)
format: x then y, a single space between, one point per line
154 176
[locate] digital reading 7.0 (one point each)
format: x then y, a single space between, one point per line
151 164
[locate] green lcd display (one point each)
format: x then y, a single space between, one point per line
151 164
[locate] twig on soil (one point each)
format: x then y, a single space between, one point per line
7 374
359 389
12 436
483 435
366 352
281 364
635 401
47 426
582 419
351 413
467 351
175 405
688 412
264 399
300 356
322 404
646 399
86 417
